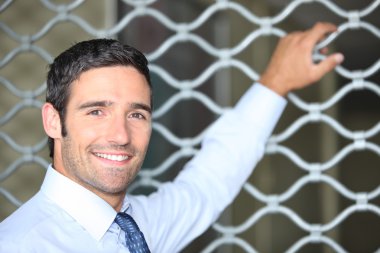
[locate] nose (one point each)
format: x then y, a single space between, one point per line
118 132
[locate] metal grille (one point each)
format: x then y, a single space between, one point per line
356 80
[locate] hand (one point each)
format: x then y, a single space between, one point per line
291 66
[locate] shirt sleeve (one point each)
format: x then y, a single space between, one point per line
183 209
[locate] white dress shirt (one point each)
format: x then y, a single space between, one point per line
65 217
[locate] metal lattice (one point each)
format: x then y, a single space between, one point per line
313 113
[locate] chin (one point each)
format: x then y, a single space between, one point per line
116 189
111 191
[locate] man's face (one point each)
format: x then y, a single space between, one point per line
108 123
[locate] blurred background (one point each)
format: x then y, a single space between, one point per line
317 189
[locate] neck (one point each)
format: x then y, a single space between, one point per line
115 200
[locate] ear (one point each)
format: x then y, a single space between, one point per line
51 121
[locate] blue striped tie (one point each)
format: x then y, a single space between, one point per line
133 236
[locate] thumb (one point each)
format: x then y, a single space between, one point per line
329 63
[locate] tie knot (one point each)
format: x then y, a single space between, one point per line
127 223
133 236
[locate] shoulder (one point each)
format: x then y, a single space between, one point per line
36 213
13 246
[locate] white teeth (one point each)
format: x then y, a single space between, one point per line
117 158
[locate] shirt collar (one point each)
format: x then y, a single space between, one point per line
93 213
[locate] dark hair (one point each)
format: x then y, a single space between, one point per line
81 57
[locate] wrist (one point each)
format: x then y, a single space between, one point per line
273 84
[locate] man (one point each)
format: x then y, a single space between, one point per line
98 117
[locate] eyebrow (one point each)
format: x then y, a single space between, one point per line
106 103
142 106
91 104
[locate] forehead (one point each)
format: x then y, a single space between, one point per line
119 83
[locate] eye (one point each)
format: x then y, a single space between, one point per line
137 115
95 112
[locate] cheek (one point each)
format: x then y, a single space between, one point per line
141 137
83 134
90 133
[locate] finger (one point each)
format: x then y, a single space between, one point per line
319 31
324 50
328 64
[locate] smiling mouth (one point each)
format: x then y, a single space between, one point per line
117 158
